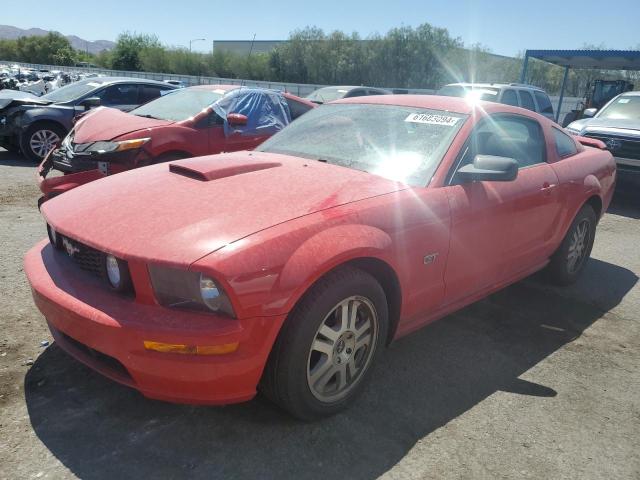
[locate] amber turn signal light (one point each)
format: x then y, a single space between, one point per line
191 349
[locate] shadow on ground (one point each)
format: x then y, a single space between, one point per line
101 430
15 159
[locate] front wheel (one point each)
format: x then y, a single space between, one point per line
327 346
39 139
568 262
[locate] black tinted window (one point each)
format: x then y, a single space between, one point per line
543 102
509 97
565 146
148 93
527 100
359 92
120 94
508 136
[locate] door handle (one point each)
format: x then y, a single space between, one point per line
547 187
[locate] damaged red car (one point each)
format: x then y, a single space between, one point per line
183 123
288 269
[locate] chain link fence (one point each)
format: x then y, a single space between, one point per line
299 89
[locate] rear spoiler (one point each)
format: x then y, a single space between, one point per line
591 142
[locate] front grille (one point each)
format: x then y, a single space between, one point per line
87 258
619 145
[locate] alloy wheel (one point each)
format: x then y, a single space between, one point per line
43 141
342 349
578 246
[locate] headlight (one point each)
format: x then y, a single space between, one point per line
178 288
117 272
572 130
108 147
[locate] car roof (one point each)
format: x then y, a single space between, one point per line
494 85
438 102
226 88
110 80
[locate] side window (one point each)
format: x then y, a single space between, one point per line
511 136
375 92
527 100
543 102
509 97
149 92
120 94
565 146
359 92
296 108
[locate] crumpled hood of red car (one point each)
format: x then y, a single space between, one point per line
179 212
108 123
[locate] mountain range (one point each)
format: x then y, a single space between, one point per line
8 32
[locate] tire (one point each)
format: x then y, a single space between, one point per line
39 138
305 371
566 265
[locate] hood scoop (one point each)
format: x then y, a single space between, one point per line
213 170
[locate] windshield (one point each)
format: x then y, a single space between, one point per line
179 104
328 94
625 107
73 91
477 93
399 143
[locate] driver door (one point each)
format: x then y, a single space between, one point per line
500 229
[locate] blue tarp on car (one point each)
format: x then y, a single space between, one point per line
267 111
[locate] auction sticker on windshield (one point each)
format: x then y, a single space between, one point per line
432 119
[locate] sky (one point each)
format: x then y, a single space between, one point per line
505 27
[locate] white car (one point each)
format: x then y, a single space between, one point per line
516 94
617 124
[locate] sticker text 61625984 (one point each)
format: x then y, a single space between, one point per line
432 119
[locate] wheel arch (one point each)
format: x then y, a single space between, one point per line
383 273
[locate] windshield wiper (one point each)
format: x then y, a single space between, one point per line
147 116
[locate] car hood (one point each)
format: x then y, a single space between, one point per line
105 124
599 124
16 97
179 212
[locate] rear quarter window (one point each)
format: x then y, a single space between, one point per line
565 146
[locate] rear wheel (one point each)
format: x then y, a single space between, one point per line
327 346
571 257
39 139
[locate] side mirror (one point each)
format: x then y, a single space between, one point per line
590 112
489 168
237 119
90 102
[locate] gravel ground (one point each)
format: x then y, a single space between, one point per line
533 382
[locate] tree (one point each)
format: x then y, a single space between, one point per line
131 49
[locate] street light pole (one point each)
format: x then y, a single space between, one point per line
195 40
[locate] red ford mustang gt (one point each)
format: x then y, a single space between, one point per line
188 122
289 268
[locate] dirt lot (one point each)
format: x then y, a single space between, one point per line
534 382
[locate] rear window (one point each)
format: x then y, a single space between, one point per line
565 146
543 102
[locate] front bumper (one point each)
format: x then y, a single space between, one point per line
53 186
116 161
106 332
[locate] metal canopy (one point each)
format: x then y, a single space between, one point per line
600 59
596 59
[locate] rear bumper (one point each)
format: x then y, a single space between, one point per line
106 332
